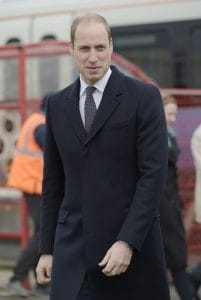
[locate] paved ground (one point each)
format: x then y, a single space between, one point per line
6 273
4 295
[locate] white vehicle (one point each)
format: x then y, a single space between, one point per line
162 37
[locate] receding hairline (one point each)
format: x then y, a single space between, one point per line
88 18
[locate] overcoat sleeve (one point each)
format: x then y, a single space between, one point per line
53 186
151 164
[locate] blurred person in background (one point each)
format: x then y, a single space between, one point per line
195 271
170 212
196 153
25 174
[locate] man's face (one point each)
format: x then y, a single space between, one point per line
92 50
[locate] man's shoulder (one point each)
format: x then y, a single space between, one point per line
141 89
63 94
133 83
140 85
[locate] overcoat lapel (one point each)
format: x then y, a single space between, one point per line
108 105
74 111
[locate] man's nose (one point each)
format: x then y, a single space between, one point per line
93 56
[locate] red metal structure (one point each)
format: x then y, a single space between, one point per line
22 235
24 104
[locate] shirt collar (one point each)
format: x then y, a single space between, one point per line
100 84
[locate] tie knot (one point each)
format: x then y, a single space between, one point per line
90 90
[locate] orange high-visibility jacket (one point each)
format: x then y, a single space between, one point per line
27 167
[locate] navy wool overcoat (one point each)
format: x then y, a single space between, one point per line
105 186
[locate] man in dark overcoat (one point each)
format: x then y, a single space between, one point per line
105 165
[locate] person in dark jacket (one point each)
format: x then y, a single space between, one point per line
26 175
170 212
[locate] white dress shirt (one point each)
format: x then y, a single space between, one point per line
97 95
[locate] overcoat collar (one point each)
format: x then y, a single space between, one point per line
109 103
74 111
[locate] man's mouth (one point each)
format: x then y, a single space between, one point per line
93 68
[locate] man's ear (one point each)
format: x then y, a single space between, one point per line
71 48
111 44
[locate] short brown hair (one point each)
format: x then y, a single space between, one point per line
167 99
87 19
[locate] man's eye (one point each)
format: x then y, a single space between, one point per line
84 49
101 47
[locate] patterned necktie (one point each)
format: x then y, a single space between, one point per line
89 108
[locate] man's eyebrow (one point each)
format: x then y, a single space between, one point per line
83 46
89 46
100 45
